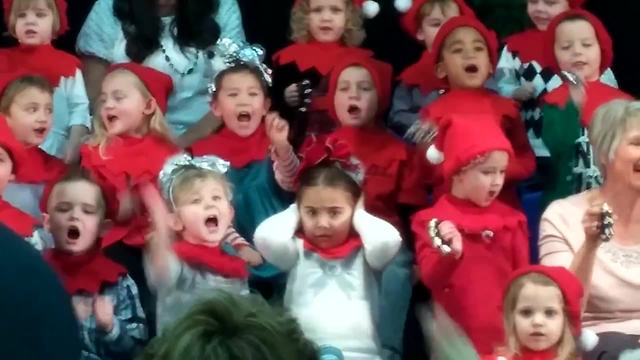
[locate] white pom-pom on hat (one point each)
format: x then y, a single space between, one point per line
434 155
370 9
588 340
403 5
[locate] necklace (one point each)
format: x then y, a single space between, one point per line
167 59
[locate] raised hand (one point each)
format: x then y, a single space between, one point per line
277 129
103 312
449 233
292 95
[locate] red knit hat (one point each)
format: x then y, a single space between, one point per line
10 144
606 45
6 78
575 4
466 21
381 73
369 8
61 7
572 293
463 138
410 19
158 83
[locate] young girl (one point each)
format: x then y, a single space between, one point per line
262 161
26 103
577 42
466 53
332 249
542 310
418 83
34 23
525 75
105 298
323 31
196 265
469 241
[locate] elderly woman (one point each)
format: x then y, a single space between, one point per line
177 40
570 232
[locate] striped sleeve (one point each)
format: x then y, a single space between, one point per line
234 239
285 167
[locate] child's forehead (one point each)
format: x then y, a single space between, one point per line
575 28
355 72
243 78
32 94
464 33
439 9
75 190
31 4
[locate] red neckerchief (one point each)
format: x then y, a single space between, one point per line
36 166
537 355
318 55
528 46
128 161
20 222
597 94
84 273
364 143
422 74
351 245
239 151
457 101
43 60
211 258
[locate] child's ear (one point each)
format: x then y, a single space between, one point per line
440 71
267 104
420 35
175 223
150 106
215 108
46 222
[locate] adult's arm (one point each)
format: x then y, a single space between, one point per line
229 19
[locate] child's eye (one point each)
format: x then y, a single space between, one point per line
334 213
22 14
254 94
526 312
550 313
196 201
41 14
565 47
217 198
456 50
62 208
311 212
479 48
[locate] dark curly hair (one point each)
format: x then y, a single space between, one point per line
194 25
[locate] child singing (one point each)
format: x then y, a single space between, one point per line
332 249
578 43
35 23
26 104
105 298
419 86
195 265
469 242
323 31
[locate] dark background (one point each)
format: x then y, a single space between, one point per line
267 22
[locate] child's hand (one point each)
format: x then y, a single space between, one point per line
158 211
450 234
277 130
578 95
81 307
250 256
103 311
292 95
72 153
128 205
524 92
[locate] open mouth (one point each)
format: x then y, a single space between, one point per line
73 233
30 32
579 64
471 69
111 118
41 131
211 223
244 116
492 193
354 110
537 334
326 28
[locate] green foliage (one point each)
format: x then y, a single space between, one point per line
505 17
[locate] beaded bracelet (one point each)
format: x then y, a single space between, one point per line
438 242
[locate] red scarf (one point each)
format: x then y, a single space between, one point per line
43 60
365 144
212 258
422 74
84 273
20 222
471 101
351 245
597 94
318 55
38 166
528 46
239 151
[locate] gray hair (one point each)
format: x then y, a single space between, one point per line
608 127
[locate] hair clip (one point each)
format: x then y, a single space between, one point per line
176 165
438 242
606 220
229 53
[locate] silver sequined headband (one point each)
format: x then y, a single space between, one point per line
228 53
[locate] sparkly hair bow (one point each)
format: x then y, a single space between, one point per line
176 165
317 150
229 53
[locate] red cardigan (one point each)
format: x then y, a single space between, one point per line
470 288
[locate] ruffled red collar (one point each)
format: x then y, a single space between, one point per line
528 46
483 100
422 74
538 355
597 94
58 64
36 166
364 143
84 273
351 245
318 55
20 222
230 146
213 259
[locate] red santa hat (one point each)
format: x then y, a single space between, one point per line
572 293
61 7
575 4
158 83
10 144
381 73
606 45
411 9
466 21
6 78
461 139
369 8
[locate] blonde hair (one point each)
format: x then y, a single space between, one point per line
18 86
353 31
186 180
157 123
608 127
567 344
19 6
430 5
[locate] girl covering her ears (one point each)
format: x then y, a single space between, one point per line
332 249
